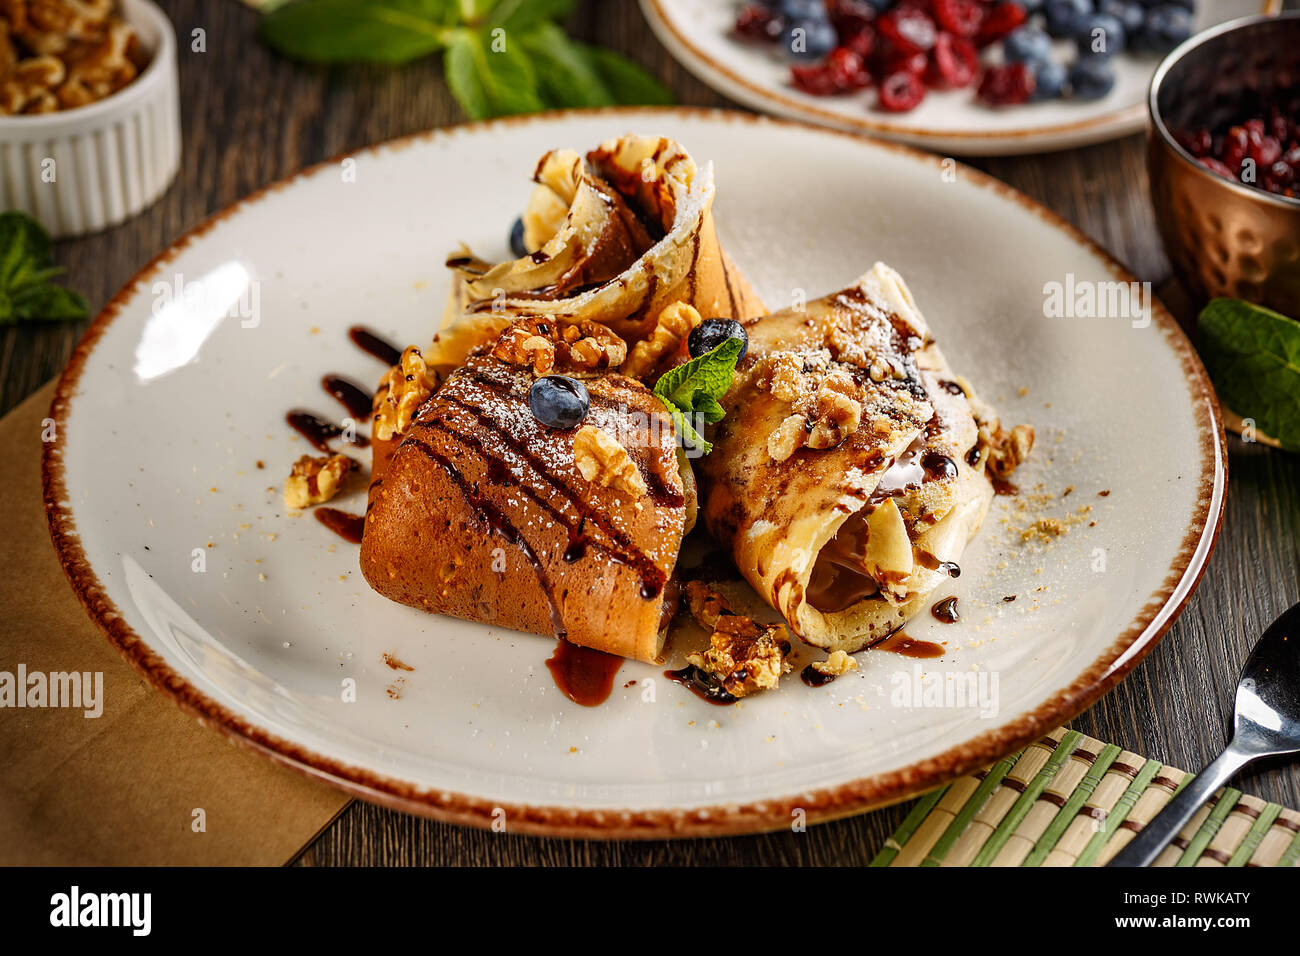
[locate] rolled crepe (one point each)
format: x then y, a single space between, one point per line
613 237
484 513
849 473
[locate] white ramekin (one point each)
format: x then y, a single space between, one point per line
85 169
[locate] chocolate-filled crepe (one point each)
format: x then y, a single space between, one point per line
853 465
480 510
613 237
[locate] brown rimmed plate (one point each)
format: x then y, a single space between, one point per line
163 489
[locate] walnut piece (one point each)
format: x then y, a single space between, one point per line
706 604
603 461
834 418
743 656
403 389
545 345
825 401
1007 449
60 54
672 328
315 480
837 664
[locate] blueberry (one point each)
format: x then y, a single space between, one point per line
711 333
1166 26
1027 45
1091 77
1050 76
558 402
1063 16
809 39
1100 33
517 247
803 9
1032 6
1128 12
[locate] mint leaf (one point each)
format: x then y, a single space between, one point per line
523 15
491 82
26 268
565 75
360 31
1253 356
694 388
627 83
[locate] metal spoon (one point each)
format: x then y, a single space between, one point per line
1267 724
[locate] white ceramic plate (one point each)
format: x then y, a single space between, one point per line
698 33
167 408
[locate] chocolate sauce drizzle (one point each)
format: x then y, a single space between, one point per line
354 398
318 431
702 685
346 525
370 342
583 675
946 611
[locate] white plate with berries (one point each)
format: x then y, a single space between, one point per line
972 77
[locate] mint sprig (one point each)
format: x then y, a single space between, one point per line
26 268
501 57
693 388
1253 356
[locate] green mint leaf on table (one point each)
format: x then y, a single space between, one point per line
26 268
694 387
525 14
490 82
501 57
360 31
627 83
1253 356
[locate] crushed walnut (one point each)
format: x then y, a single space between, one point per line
1044 529
743 656
838 664
603 461
314 481
1007 450
672 328
60 54
545 345
403 389
826 402
706 604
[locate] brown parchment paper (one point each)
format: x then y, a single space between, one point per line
122 788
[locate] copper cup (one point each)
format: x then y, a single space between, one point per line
1225 238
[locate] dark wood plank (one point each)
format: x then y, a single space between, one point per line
250 117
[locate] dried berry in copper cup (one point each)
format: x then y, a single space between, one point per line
1225 237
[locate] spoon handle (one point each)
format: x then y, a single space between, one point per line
1143 849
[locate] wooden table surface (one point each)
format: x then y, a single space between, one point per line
250 118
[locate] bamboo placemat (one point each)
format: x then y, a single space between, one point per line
1070 800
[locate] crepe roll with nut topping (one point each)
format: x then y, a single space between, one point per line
538 489
852 466
613 237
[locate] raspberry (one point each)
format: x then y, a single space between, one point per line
999 20
1007 85
842 72
962 17
953 62
1215 166
900 92
757 22
908 29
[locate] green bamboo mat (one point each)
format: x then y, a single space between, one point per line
1069 800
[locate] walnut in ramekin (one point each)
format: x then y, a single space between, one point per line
61 54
